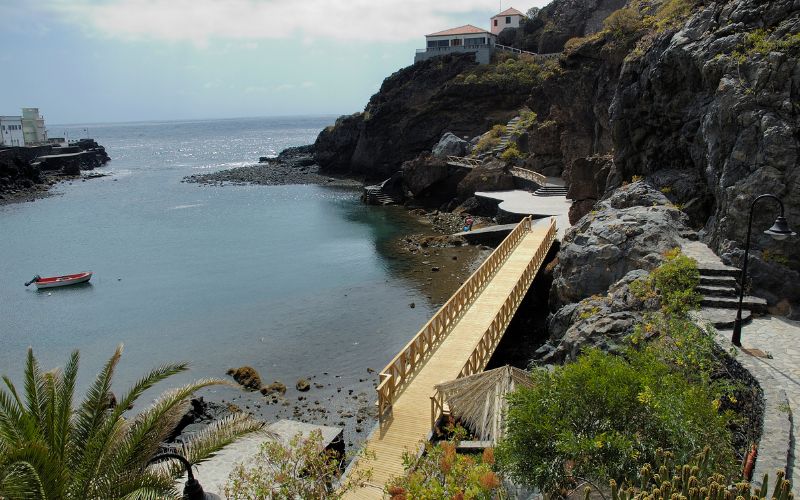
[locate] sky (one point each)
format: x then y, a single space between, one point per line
100 61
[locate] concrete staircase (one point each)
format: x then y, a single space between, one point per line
551 191
719 289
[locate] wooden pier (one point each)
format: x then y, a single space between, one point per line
457 341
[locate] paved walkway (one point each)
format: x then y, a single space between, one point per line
771 353
779 376
522 202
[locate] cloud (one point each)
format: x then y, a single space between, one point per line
199 21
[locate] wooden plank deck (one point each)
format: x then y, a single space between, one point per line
408 426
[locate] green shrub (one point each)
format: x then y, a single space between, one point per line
624 23
760 42
673 282
301 468
507 73
603 415
441 473
511 153
489 140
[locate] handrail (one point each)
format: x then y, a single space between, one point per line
530 175
395 376
486 345
549 55
464 161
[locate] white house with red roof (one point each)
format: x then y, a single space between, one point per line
509 18
469 38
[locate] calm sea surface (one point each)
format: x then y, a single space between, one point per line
293 280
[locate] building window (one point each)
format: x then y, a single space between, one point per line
456 42
508 19
495 22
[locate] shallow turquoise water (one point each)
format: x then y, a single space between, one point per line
293 280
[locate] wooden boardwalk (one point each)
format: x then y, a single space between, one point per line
458 341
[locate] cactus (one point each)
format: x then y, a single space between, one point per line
694 482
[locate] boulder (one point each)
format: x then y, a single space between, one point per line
423 172
451 145
630 230
492 176
246 376
302 385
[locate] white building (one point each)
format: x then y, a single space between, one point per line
33 127
467 38
11 133
509 18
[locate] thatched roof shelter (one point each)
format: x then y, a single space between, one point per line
479 400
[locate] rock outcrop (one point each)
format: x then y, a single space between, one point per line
629 230
451 145
599 321
413 108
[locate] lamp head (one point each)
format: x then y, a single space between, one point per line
780 230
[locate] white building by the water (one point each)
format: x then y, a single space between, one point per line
470 38
11 133
509 18
33 127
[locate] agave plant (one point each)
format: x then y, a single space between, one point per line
51 449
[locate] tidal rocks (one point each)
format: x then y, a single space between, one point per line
451 145
246 376
630 230
302 385
276 387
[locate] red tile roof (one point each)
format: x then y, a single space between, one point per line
509 12
467 29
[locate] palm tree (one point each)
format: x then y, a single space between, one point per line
50 449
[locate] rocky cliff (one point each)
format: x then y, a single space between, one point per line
699 98
412 110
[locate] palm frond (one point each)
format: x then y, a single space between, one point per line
20 481
34 387
93 409
204 444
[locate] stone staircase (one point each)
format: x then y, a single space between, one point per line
719 289
551 191
375 195
504 140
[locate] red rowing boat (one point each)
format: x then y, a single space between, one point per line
54 281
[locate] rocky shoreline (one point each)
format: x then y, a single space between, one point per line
292 166
28 173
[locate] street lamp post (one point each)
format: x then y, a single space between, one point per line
779 231
192 489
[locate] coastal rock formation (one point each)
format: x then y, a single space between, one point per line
451 145
411 111
492 176
629 230
599 321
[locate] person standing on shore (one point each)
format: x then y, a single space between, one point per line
468 223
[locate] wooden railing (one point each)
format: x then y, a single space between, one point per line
530 175
536 55
395 376
486 346
465 162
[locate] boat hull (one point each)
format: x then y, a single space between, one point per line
58 281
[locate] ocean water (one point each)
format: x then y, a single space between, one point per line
295 281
